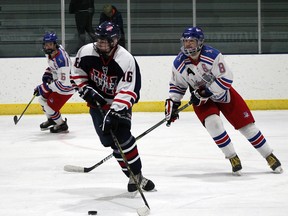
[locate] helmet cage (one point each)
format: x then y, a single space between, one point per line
192 33
107 31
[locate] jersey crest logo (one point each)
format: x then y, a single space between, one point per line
59 60
105 69
106 83
209 51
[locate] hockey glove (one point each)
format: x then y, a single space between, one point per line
170 111
73 84
42 90
199 97
113 119
92 97
47 77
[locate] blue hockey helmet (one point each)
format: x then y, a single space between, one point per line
192 33
49 37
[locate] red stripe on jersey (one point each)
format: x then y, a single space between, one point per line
207 58
224 83
79 77
181 66
128 104
132 94
83 84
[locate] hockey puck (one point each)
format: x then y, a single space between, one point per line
92 212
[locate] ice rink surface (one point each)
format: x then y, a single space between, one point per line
190 173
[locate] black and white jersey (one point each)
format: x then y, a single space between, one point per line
116 78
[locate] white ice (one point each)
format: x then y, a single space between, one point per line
191 175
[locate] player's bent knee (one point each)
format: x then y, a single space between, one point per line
213 121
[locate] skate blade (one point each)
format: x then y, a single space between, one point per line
45 129
60 132
278 170
237 173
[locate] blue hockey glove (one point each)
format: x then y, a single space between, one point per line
47 77
113 119
170 111
42 90
92 97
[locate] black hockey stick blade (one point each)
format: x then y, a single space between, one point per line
15 119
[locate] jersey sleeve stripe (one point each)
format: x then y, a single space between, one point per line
79 77
80 80
181 67
223 83
223 98
62 87
130 93
177 89
80 85
123 102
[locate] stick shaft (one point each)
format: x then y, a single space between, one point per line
16 120
124 159
88 169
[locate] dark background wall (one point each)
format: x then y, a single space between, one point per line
230 26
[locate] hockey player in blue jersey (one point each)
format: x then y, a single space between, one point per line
56 88
203 70
107 74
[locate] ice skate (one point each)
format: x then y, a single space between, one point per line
145 184
63 128
274 163
236 165
47 124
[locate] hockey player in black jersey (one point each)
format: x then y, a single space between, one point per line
107 74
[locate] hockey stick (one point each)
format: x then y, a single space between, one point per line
72 168
15 118
143 211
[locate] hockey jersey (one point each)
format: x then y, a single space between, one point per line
210 72
60 67
116 78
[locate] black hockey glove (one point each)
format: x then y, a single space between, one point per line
113 119
47 77
199 97
92 97
170 111
73 84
